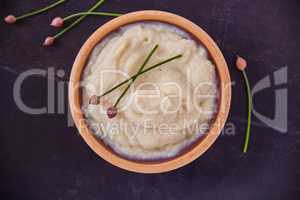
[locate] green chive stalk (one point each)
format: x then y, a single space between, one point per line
109 14
241 65
39 11
60 33
246 143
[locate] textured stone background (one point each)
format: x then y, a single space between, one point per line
42 158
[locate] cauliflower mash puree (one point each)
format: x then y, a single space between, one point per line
166 109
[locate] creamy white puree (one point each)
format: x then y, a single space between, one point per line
167 108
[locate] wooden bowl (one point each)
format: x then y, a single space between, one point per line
200 146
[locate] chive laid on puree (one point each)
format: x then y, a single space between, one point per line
112 111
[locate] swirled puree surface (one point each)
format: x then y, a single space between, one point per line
166 109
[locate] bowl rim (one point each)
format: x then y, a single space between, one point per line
75 93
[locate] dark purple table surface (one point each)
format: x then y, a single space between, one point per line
41 157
